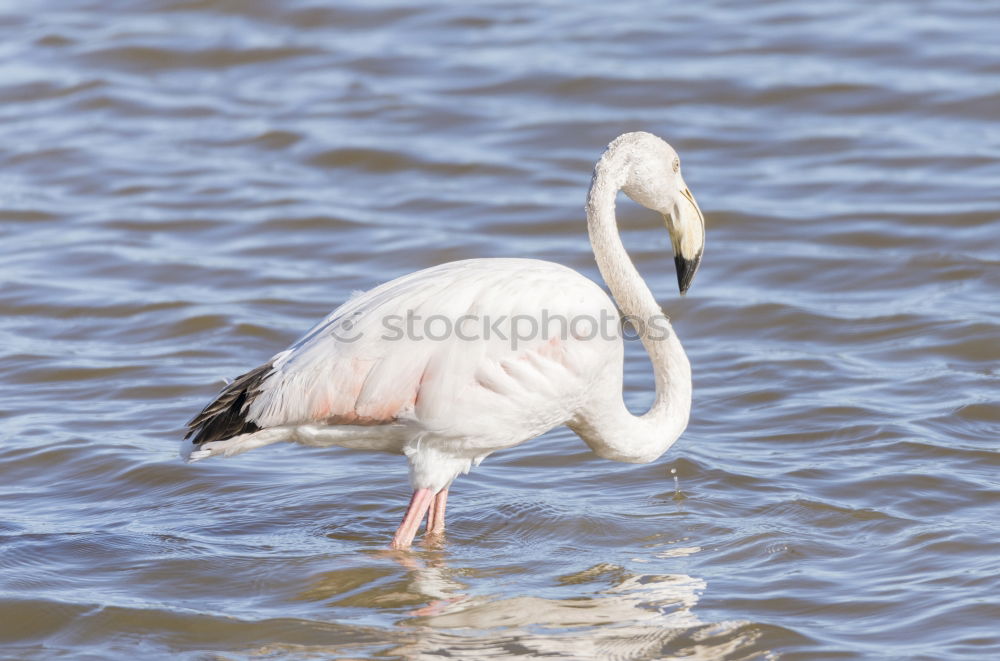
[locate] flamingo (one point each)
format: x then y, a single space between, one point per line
452 363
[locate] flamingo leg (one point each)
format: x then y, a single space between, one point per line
435 518
407 530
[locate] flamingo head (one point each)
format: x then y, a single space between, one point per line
653 179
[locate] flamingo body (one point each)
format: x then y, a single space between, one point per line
361 379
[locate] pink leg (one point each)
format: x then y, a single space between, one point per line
435 518
407 530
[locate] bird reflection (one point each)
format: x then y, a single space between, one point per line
430 577
626 615
613 611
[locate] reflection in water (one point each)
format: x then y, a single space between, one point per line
632 616
626 616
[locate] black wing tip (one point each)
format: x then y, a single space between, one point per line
225 416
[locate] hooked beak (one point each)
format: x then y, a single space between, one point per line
685 271
687 234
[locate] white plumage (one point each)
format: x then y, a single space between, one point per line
454 362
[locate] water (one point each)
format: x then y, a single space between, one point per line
187 186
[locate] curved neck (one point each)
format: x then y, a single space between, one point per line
610 429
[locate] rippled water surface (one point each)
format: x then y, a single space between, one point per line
185 187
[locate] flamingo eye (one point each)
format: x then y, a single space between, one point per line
677 165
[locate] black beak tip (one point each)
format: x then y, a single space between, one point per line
686 269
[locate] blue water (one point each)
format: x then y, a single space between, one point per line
186 187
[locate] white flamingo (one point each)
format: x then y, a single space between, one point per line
362 379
